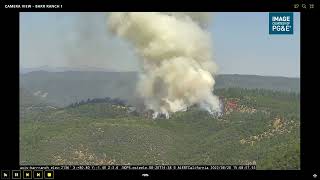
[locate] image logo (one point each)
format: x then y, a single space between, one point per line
280 23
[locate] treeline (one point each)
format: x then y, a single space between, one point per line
240 92
112 101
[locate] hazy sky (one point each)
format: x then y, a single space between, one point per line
241 41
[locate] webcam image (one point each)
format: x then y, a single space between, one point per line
160 88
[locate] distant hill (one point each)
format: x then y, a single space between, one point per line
64 88
260 82
62 69
32 104
27 99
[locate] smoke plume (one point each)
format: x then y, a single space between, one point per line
176 59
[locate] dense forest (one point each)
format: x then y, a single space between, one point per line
258 126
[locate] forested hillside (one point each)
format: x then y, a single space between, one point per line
259 127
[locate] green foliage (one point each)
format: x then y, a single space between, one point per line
101 133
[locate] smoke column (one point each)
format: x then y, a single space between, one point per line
176 59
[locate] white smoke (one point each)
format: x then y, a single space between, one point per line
176 58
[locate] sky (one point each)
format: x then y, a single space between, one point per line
241 43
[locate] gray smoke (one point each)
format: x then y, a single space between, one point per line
176 57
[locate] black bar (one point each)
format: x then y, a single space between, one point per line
309 31
143 5
142 167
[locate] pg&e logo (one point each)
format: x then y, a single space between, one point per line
280 23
